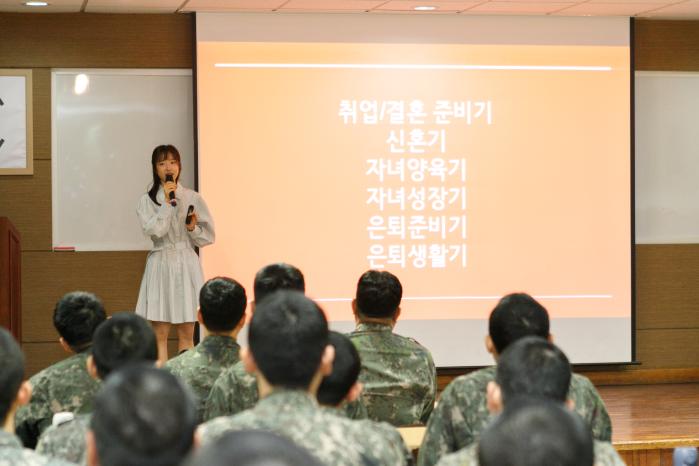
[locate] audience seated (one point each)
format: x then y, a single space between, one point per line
398 374
462 411
341 387
531 368
235 390
66 385
289 354
252 448
143 417
536 433
124 339
14 392
222 303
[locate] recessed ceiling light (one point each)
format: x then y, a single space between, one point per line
34 3
425 8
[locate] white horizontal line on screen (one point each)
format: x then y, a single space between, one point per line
477 298
376 66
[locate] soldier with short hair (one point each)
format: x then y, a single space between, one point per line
462 412
342 387
15 391
398 374
123 340
289 354
235 390
222 303
534 368
66 385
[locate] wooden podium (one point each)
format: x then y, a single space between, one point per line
10 278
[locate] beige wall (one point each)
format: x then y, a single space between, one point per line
667 294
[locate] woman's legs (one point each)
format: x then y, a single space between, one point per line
161 330
185 336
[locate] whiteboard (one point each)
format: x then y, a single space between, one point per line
105 126
667 157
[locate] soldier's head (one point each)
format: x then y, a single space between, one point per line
288 342
222 303
252 448
515 316
142 416
536 433
531 367
76 316
378 296
122 340
341 385
14 390
276 277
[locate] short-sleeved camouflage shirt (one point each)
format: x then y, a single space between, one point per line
234 391
64 386
462 413
398 374
202 365
296 415
605 455
66 441
12 453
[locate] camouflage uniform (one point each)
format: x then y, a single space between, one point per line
462 413
296 415
12 453
64 386
605 455
200 367
234 391
66 441
399 377
388 441
355 409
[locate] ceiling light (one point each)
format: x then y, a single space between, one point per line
35 3
425 8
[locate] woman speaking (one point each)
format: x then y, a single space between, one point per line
177 220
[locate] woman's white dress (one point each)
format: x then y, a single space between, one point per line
173 276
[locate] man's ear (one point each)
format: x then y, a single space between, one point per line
241 323
354 392
24 394
550 338
355 309
248 361
92 368
326 361
66 347
91 449
196 440
494 397
570 404
490 346
396 315
252 307
200 319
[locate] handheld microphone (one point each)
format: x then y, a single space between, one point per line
173 202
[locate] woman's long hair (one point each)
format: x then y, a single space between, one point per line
160 153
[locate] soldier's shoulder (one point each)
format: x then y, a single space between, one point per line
475 380
467 456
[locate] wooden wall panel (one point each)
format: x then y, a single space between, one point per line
84 40
46 276
668 348
38 354
26 201
41 103
667 286
666 45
